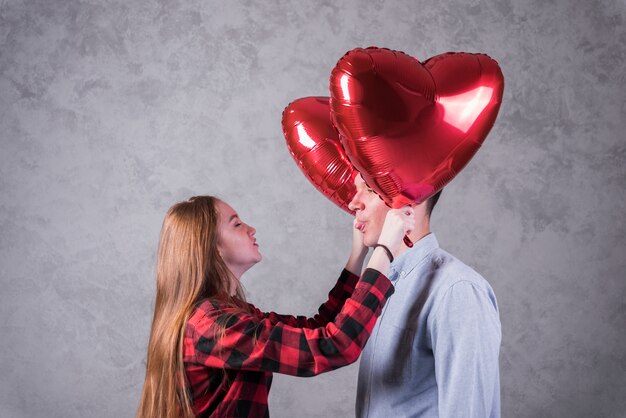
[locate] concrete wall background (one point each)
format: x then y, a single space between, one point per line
111 111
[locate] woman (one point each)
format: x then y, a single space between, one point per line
211 353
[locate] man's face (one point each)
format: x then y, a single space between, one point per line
370 211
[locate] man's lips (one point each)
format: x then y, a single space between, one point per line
360 225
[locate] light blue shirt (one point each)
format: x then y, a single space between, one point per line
434 350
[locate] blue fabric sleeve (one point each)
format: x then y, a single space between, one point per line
465 336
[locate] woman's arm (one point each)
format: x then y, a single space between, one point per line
349 276
227 338
220 337
336 297
326 312
358 253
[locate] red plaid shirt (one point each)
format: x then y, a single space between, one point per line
230 355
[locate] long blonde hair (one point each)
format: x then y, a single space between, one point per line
189 269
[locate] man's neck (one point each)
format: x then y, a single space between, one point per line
417 234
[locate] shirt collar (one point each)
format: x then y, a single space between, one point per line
409 259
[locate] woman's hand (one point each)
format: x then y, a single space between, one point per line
398 223
358 247
358 253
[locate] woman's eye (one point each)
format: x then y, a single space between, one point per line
237 224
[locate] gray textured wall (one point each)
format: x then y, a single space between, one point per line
111 111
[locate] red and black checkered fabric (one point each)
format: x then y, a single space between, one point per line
230 355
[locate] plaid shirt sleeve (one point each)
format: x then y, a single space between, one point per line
325 313
225 338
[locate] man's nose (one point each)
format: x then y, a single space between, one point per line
356 203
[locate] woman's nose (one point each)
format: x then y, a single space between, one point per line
251 231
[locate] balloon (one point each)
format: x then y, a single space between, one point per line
410 127
314 144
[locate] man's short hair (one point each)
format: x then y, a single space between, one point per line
432 201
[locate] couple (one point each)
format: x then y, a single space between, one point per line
432 353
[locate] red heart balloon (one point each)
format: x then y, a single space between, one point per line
314 144
410 127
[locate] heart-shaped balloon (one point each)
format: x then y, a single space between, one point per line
410 127
314 144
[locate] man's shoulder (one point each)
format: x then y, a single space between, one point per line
450 271
460 288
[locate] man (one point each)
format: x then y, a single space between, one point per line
434 350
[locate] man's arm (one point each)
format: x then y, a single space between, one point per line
466 336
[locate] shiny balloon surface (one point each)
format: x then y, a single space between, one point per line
410 127
314 144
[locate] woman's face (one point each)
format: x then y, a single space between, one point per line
236 242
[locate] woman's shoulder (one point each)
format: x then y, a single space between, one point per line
211 310
204 316
209 307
